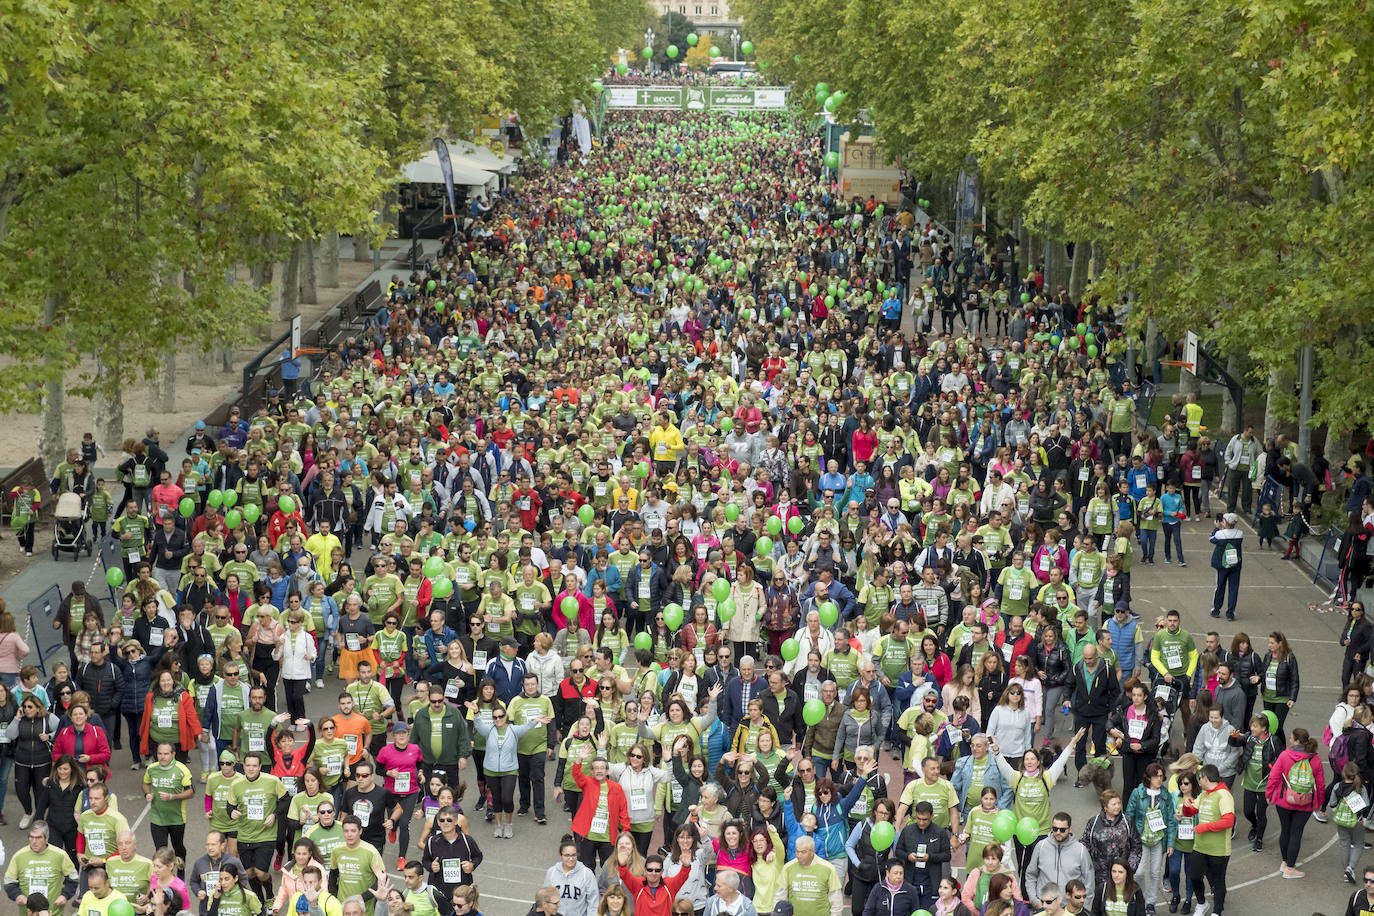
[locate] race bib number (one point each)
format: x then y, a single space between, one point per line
352 642
639 800
1271 681
493 625
95 844
402 784
1135 729
812 691
452 688
527 604
1185 830
167 718
1154 819
462 575
1082 475
479 660
255 810
256 744
351 742
1015 592
211 879
1006 652
333 765
453 871
290 783
1045 563
600 825
1173 657
1099 518
1230 557
362 810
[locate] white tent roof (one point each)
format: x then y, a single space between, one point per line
466 171
484 157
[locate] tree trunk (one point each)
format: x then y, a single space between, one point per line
1099 260
1276 404
1078 273
1188 383
226 354
360 247
52 439
1024 252
163 397
329 261
309 296
1230 421
1055 264
108 405
1336 450
1035 252
288 303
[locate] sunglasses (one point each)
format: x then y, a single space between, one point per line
576 670
1060 829
327 728
653 868
447 820
324 810
636 756
1048 901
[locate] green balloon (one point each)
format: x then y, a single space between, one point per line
569 607
789 649
823 89
671 51
726 610
287 505
441 586
692 39
746 47
672 616
1092 351
646 52
727 424
233 519
1027 829
643 469
721 589
731 512
120 907
1055 340
622 69
1025 297
230 498
586 514
715 51
1003 826
764 546
882 835
187 507
795 524
1073 343
1082 329
434 566
813 712
774 525
829 613
644 641
832 160
214 498
114 576
251 512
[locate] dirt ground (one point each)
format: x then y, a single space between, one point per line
199 389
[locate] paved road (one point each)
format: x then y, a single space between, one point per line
1274 595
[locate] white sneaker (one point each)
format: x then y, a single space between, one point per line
25 821
319 682
1318 816
1201 910
510 831
499 832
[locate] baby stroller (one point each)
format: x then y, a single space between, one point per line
69 527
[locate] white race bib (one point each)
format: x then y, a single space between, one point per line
362 810
453 871
1154 819
1082 475
352 642
1135 729
402 784
1185 830
255 810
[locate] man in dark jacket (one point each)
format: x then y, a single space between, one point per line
923 850
1094 693
783 708
100 678
455 742
193 638
170 546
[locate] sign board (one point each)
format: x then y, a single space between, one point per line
866 171
1190 341
693 98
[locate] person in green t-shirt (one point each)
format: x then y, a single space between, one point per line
1216 815
101 895
355 867
41 868
254 724
234 894
130 873
810 883
100 826
253 806
327 831
166 786
533 747
372 701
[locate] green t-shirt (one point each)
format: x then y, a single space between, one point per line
253 729
1211 807
1031 798
844 666
330 756
808 887
979 828
255 800
40 872
1016 590
326 840
368 699
1176 650
101 831
302 804
173 779
91 905
221 790
357 868
1253 779
524 709
239 902
165 724
894 656
130 878
941 796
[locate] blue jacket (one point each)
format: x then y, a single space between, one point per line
992 779
832 822
138 678
732 705
658 587
839 593
436 643
611 575
1123 643
508 685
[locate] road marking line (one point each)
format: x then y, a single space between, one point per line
1235 887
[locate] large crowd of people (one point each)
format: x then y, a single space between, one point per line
661 478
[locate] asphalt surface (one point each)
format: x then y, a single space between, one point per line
1275 595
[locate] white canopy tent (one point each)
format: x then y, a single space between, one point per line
484 157
466 171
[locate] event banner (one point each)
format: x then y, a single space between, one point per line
697 98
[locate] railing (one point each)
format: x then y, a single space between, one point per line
46 641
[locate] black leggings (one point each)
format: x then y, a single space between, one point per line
28 785
502 789
1291 825
402 824
173 835
592 853
643 839
295 697
1213 869
64 839
1256 812
135 722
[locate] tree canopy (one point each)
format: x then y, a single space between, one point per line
1217 153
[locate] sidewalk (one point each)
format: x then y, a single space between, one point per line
41 571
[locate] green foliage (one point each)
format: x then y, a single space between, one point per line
1219 154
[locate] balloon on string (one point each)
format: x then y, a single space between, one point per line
746 47
1025 297
1073 343
598 87
692 39
672 616
230 498
774 525
586 514
795 524
215 498
643 641
434 566
671 51
789 649
251 513
569 608
643 469
114 576
764 546
1027 830
832 160
187 507
715 51
813 712
441 587
120 907
646 52
731 512
1003 826
1082 329
233 519
1092 351
882 835
726 610
720 589
1055 339
622 69
727 424
829 613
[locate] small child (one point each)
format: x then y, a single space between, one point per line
90 450
100 510
1268 528
1297 526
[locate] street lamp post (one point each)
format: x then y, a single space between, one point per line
734 43
648 43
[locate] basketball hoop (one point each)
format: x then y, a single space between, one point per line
1176 362
309 350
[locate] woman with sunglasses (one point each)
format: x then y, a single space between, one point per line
29 738
640 781
500 763
626 853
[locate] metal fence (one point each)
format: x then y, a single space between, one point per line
47 642
1327 569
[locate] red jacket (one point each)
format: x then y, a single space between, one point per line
95 744
187 720
654 901
616 805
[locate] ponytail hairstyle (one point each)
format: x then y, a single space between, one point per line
1305 740
1351 774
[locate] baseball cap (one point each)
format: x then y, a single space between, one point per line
200 424
400 727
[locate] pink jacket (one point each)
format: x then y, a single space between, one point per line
586 618
1060 558
13 651
1278 774
97 746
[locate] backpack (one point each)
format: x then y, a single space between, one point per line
1299 785
1339 754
